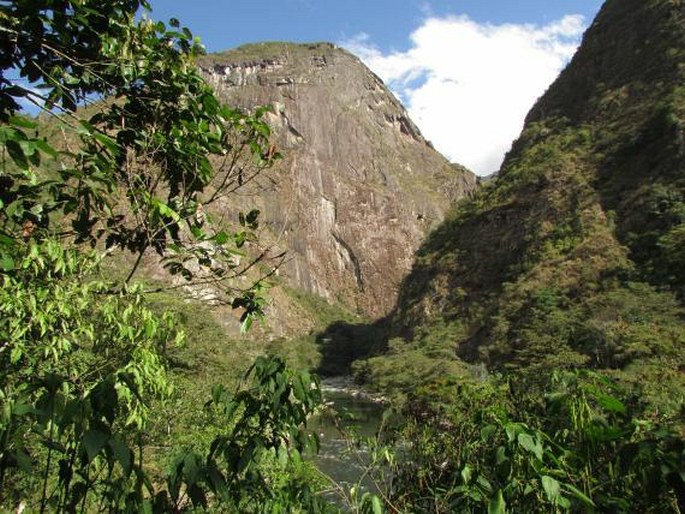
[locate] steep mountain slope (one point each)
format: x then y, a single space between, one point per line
358 188
574 255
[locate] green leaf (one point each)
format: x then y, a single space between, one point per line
109 143
198 233
93 441
376 506
165 211
512 429
192 469
7 262
552 489
197 495
217 481
20 121
221 238
17 154
466 474
484 484
527 442
611 404
497 504
23 461
123 454
84 128
28 147
21 409
299 389
246 324
578 494
501 455
146 507
45 147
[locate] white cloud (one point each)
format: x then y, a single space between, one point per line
468 86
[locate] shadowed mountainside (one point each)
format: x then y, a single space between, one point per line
574 255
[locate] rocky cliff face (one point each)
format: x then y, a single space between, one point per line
359 186
575 255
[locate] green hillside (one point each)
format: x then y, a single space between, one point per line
538 345
573 257
534 360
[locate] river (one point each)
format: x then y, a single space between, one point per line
339 458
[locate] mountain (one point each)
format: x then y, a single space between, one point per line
358 187
574 256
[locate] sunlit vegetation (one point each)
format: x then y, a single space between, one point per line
539 341
535 356
90 360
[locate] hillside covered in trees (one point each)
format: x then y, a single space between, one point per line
554 298
572 257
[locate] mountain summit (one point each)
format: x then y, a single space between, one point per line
358 188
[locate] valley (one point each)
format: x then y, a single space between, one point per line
180 278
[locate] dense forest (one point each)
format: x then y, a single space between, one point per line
534 361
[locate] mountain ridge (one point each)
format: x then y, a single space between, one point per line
358 187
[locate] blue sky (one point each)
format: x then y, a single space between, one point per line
468 71
224 24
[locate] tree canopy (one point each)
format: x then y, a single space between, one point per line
142 147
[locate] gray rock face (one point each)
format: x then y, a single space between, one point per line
359 186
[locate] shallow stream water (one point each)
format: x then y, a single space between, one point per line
340 457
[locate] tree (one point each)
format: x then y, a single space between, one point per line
81 358
142 176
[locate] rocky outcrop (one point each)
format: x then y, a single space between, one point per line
359 186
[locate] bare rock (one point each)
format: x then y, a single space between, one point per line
359 186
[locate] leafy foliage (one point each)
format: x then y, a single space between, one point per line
571 257
80 366
569 261
580 447
256 462
83 360
140 174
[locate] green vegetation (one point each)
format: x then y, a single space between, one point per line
539 342
264 50
85 354
338 337
536 352
492 445
572 256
